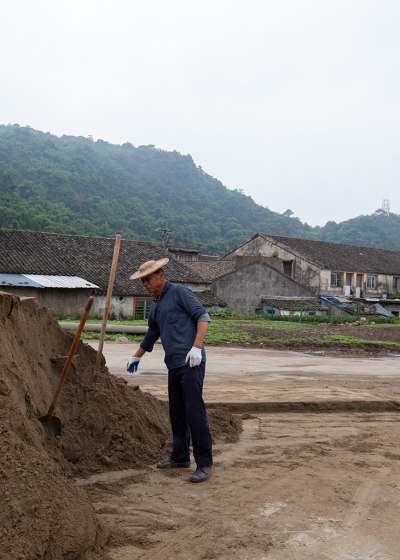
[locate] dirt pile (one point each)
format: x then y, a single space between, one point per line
105 425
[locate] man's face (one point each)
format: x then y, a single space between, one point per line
154 283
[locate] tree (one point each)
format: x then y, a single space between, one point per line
288 213
76 186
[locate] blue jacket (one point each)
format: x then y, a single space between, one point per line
174 317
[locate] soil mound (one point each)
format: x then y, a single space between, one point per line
105 425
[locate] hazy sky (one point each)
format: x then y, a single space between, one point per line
295 102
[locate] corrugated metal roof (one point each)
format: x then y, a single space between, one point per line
49 281
17 280
381 310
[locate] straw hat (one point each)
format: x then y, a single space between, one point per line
148 268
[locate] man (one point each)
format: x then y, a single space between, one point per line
179 318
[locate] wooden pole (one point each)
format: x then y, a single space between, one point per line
107 306
69 358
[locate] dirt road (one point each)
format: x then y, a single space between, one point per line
313 475
318 482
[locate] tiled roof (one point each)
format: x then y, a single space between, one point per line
210 257
208 299
211 270
183 249
337 256
29 252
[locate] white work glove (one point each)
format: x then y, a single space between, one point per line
132 365
193 358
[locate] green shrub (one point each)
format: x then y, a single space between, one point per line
223 314
335 319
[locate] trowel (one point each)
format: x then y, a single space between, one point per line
53 423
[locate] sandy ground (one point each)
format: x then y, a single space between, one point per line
314 476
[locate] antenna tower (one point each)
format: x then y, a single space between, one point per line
386 206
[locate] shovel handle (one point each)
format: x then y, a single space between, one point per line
107 306
70 355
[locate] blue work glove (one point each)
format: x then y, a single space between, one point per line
193 358
132 365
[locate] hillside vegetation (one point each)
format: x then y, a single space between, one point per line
77 186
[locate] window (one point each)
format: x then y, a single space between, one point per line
371 282
287 268
183 257
142 308
396 283
336 279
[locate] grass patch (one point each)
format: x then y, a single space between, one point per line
335 319
88 335
229 336
253 322
137 323
247 329
353 341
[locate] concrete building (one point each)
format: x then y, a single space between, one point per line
266 267
246 281
327 268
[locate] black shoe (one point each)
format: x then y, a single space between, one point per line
200 474
168 464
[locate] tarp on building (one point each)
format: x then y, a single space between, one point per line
44 281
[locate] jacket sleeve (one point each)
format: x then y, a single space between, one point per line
192 305
152 335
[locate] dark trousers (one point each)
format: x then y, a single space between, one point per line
188 415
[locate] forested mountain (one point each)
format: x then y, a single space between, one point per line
77 186
377 230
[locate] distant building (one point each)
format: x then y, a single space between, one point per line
267 267
184 255
62 271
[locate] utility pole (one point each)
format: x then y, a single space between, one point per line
165 236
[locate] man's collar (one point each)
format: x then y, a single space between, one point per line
166 287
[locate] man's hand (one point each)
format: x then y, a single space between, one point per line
193 358
132 365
